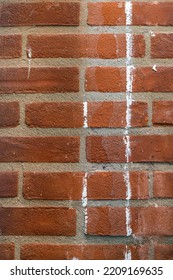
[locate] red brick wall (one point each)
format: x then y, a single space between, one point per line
86 125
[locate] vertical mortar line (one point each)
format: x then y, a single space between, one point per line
85 121
129 89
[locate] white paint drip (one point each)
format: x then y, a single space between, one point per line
129 100
128 254
155 68
29 52
85 200
85 113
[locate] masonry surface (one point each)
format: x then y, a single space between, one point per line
86 129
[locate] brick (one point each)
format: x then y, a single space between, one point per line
6 251
106 13
162 112
163 251
105 79
50 13
55 114
105 149
39 149
10 46
112 185
53 186
106 221
145 79
154 13
151 148
37 221
152 221
39 80
113 114
163 184
81 252
162 46
9 114
79 45
8 184
111 13
144 148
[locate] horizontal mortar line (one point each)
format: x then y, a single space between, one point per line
74 204
87 167
73 132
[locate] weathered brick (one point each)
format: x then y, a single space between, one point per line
113 114
39 80
162 112
163 184
6 251
80 45
162 45
8 184
10 46
112 185
9 114
55 114
37 221
53 186
39 149
41 13
110 79
163 252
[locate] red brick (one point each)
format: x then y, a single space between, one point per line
6 251
148 221
92 45
10 46
154 13
106 13
162 46
42 80
145 79
9 114
111 13
112 185
55 114
163 252
8 184
50 13
39 149
151 148
106 221
113 114
105 79
163 184
53 186
163 112
38 221
105 149
81 252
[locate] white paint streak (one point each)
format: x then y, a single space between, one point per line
85 200
129 100
85 113
128 254
29 53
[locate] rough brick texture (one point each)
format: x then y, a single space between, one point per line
42 80
81 252
50 13
8 184
9 114
56 186
37 221
86 129
10 46
6 251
